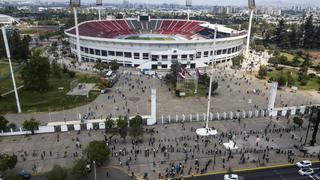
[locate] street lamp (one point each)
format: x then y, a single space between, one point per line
99 4
188 5
5 39
75 4
208 131
95 171
252 7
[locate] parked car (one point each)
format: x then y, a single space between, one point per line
316 176
25 175
305 171
304 164
231 177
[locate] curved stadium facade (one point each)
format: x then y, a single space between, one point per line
155 43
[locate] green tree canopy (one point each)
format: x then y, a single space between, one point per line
35 73
114 66
31 125
99 65
3 123
56 173
109 123
79 170
97 151
298 121
236 61
7 162
122 124
262 72
136 126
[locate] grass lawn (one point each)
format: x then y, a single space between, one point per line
313 83
5 76
150 38
289 56
52 100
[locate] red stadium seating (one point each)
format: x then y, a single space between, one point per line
113 28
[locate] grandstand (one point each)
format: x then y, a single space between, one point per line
189 42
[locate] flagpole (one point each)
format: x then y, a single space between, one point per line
211 76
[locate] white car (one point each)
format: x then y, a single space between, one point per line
231 177
305 171
304 164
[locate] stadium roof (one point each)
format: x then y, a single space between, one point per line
5 19
221 28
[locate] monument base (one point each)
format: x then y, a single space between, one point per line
230 145
206 132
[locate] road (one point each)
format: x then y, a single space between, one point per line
283 173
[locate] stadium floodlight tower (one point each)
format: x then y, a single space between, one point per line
188 4
206 131
75 4
252 7
99 4
5 39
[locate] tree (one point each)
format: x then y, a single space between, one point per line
260 48
293 38
7 162
236 61
56 69
99 65
282 79
31 125
56 173
79 170
3 123
280 33
114 66
122 124
262 72
35 73
97 151
205 80
309 31
12 176
274 60
109 123
172 76
295 61
283 59
298 121
303 72
136 126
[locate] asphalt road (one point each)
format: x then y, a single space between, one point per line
283 173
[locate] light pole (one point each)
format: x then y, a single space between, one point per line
208 131
252 7
95 171
75 4
99 4
5 39
188 5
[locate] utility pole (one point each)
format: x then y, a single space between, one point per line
5 39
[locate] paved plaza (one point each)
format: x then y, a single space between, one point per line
131 95
174 149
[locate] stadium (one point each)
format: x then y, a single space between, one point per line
148 43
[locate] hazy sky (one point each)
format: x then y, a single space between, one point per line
217 2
